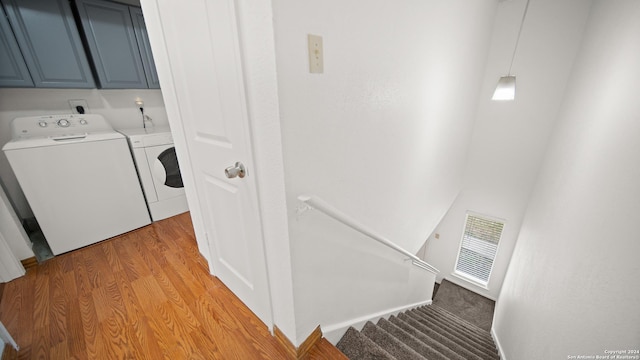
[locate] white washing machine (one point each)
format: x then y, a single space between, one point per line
78 177
155 157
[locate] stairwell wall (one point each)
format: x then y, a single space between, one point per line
382 135
572 286
510 137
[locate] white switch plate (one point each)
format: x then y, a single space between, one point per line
316 62
79 102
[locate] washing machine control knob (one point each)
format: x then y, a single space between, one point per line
63 123
42 124
83 122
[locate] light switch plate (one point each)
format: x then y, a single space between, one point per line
316 62
78 102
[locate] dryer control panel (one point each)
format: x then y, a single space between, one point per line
140 138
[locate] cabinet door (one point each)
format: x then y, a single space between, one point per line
13 69
50 43
112 42
145 48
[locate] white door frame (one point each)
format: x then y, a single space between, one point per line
6 338
10 267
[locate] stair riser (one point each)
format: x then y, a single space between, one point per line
357 346
451 340
458 327
440 311
389 343
418 331
452 332
430 349
427 333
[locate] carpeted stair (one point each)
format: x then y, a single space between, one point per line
429 332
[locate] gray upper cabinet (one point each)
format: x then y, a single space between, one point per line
117 41
13 69
48 44
145 48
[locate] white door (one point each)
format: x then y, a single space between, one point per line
202 51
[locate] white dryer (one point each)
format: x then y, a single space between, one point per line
78 177
158 169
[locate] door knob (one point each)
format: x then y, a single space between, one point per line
237 170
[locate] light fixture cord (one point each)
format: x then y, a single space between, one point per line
524 15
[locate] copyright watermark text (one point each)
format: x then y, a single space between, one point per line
628 354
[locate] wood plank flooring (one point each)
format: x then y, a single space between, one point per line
146 294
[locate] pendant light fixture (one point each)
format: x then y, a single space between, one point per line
506 88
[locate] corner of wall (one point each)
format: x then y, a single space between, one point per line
494 335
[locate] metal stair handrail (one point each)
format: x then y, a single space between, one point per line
315 202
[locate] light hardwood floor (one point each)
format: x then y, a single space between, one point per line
146 294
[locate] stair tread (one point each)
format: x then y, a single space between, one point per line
467 324
428 332
436 340
450 326
418 345
456 338
357 346
455 326
411 325
389 343
449 329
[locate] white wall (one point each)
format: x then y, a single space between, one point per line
381 135
572 286
510 138
342 277
117 106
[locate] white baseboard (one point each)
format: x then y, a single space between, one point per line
497 341
334 332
